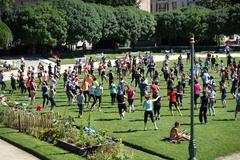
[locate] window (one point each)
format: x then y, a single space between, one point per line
174 5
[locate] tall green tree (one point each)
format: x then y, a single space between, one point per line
196 22
5 5
6 36
129 24
109 25
217 4
170 25
41 24
83 20
233 23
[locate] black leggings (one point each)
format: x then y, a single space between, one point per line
172 103
3 85
203 113
113 98
146 113
45 98
156 109
95 101
86 93
195 98
121 108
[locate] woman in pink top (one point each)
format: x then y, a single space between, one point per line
197 91
130 94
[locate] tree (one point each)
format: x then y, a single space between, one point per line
233 23
217 4
109 25
41 24
170 25
5 5
217 22
6 36
129 24
148 24
116 3
83 21
196 22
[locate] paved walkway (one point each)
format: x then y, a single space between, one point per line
10 152
157 58
235 156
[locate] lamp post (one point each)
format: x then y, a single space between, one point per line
192 144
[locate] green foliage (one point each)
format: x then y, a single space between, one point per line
6 36
196 22
170 24
217 20
41 24
116 2
109 25
129 24
217 4
83 21
233 23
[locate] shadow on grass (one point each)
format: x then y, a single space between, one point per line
231 111
105 119
128 131
110 112
223 119
188 124
136 120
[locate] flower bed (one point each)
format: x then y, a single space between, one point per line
53 128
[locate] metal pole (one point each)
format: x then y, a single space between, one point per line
192 144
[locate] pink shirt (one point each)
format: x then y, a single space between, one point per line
197 89
130 93
154 88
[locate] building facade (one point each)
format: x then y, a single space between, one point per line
145 5
166 5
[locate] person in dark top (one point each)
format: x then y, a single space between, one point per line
13 84
50 69
179 94
110 78
121 104
45 94
203 108
65 78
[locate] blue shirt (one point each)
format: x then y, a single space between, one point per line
143 87
91 90
148 105
80 99
113 90
99 91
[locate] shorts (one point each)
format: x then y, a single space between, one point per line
146 113
130 101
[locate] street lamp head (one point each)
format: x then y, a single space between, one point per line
192 40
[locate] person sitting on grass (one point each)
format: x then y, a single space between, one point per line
176 135
148 105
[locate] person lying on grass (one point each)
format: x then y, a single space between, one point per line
176 135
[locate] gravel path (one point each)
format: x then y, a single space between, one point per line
10 152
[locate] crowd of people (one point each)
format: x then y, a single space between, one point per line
84 84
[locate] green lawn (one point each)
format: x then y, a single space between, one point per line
220 137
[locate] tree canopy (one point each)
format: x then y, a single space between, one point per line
6 36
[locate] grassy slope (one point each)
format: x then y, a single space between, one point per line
47 150
220 137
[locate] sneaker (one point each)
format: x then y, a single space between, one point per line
156 128
145 129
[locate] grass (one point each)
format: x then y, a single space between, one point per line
219 138
45 150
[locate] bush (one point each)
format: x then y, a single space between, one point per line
6 36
